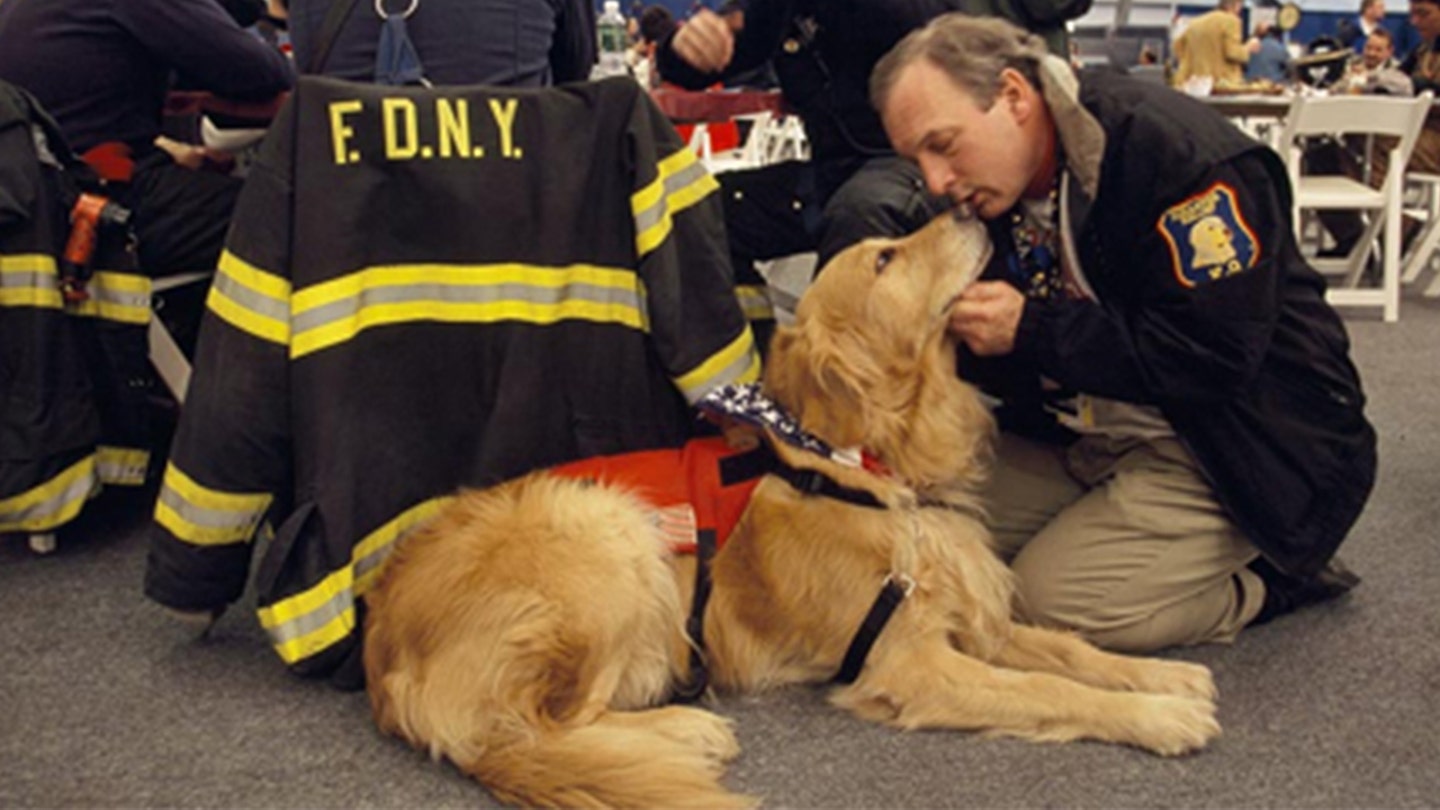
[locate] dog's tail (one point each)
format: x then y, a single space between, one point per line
623 759
536 729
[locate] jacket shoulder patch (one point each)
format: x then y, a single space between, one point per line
1209 238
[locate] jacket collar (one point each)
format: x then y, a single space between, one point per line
1081 136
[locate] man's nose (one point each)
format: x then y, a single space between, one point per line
937 174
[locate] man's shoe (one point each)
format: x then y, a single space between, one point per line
1286 594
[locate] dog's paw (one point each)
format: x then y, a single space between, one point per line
1175 678
1169 725
701 730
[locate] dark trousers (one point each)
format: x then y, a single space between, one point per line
783 209
180 217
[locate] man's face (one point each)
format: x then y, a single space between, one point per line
1377 51
980 157
1425 16
1375 11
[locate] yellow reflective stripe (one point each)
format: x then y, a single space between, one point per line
311 621
682 181
27 263
121 465
29 280
122 297
207 517
330 313
335 592
52 503
755 302
736 363
251 299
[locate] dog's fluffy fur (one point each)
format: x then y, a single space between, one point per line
529 632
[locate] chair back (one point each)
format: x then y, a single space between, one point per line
1399 118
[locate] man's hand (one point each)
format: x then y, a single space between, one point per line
706 42
987 316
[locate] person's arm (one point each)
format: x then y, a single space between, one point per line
1187 337
1411 67
1237 48
767 23
572 52
201 42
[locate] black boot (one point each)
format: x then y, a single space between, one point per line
1287 594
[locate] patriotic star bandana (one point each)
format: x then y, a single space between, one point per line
747 404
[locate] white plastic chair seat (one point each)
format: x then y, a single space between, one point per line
1331 192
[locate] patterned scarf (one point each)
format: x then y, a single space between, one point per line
1036 263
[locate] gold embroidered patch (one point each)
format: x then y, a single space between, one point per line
1209 238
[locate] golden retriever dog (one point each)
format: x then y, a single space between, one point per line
533 632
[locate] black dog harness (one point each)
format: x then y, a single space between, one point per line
763 461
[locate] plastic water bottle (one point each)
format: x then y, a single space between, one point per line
613 41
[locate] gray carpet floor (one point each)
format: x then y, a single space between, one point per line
105 702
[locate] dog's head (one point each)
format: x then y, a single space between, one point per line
870 333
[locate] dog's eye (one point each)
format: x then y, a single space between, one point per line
883 258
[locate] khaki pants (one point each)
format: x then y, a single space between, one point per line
1121 541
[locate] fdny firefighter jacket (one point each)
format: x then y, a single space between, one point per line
429 288
72 399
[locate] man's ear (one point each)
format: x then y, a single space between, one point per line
1017 94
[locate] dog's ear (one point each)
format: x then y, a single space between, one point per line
808 375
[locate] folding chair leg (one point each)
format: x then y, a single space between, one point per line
170 363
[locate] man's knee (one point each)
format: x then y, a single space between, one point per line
1115 618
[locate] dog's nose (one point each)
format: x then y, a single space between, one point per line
961 212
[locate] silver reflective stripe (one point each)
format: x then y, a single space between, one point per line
347 308
655 213
240 522
53 502
256 302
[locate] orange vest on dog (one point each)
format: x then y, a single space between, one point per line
677 477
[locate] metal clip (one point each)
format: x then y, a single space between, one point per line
905 581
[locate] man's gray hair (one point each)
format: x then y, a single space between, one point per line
972 51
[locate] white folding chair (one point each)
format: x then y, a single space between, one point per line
1422 255
1398 121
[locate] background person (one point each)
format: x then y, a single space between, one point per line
1423 68
102 68
1213 46
1271 62
1353 33
517 43
1181 420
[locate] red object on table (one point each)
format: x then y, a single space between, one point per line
710 106
193 102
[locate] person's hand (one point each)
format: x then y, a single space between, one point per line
987 317
184 154
1252 45
705 42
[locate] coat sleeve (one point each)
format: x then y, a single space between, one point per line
696 322
230 459
199 40
1172 332
1235 49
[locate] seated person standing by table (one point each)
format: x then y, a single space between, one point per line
516 43
102 68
